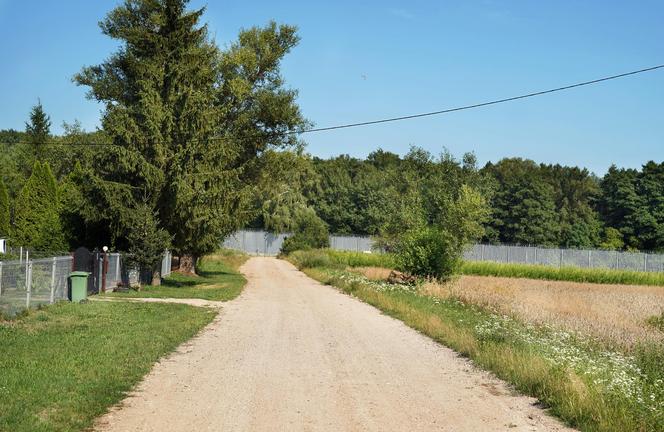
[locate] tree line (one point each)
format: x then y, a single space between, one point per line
527 203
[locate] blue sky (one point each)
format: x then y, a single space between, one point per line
359 61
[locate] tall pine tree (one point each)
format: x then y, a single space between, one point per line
38 130
188 122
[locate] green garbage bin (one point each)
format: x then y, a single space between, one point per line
79 286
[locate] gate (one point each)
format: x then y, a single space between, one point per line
93 263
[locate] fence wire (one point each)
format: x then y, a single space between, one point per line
28 284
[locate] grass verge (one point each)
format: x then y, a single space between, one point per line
572 274
218 279
578 378
63 366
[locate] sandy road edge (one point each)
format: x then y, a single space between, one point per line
183 348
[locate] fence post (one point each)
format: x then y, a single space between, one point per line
645 262
590 263
117 268
508 254
28 283
617 255
52 298
560 265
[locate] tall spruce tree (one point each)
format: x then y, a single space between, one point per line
188 121
4 210
38 130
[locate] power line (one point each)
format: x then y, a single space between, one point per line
482 104
411 116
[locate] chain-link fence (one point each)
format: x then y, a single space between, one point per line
585 258
30 283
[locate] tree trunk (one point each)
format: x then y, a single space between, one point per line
188 264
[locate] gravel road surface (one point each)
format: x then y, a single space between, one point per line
293 355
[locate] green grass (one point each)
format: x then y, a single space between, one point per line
329 258
573 274
63 366
218 279
657 321
580 380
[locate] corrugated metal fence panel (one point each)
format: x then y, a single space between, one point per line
256 242
266 243
584 258
351 243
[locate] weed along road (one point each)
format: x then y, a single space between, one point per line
291 354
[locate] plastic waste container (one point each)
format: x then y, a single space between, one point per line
79 286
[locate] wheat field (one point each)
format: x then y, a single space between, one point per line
616 314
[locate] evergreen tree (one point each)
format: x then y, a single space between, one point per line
650 218
620 203
188 121
575 192
524 208
4 211
147 242
36 219
38 130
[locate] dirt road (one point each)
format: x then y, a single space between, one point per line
290 354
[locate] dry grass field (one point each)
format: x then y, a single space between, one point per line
616 314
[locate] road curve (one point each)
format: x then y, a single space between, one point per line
293 355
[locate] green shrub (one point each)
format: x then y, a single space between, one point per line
657 321
310 233
428 252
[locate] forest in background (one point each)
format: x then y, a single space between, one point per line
529 203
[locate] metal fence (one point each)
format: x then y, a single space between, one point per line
585 258
30 283
256 242
264 243
166 264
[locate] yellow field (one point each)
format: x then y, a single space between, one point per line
614 313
